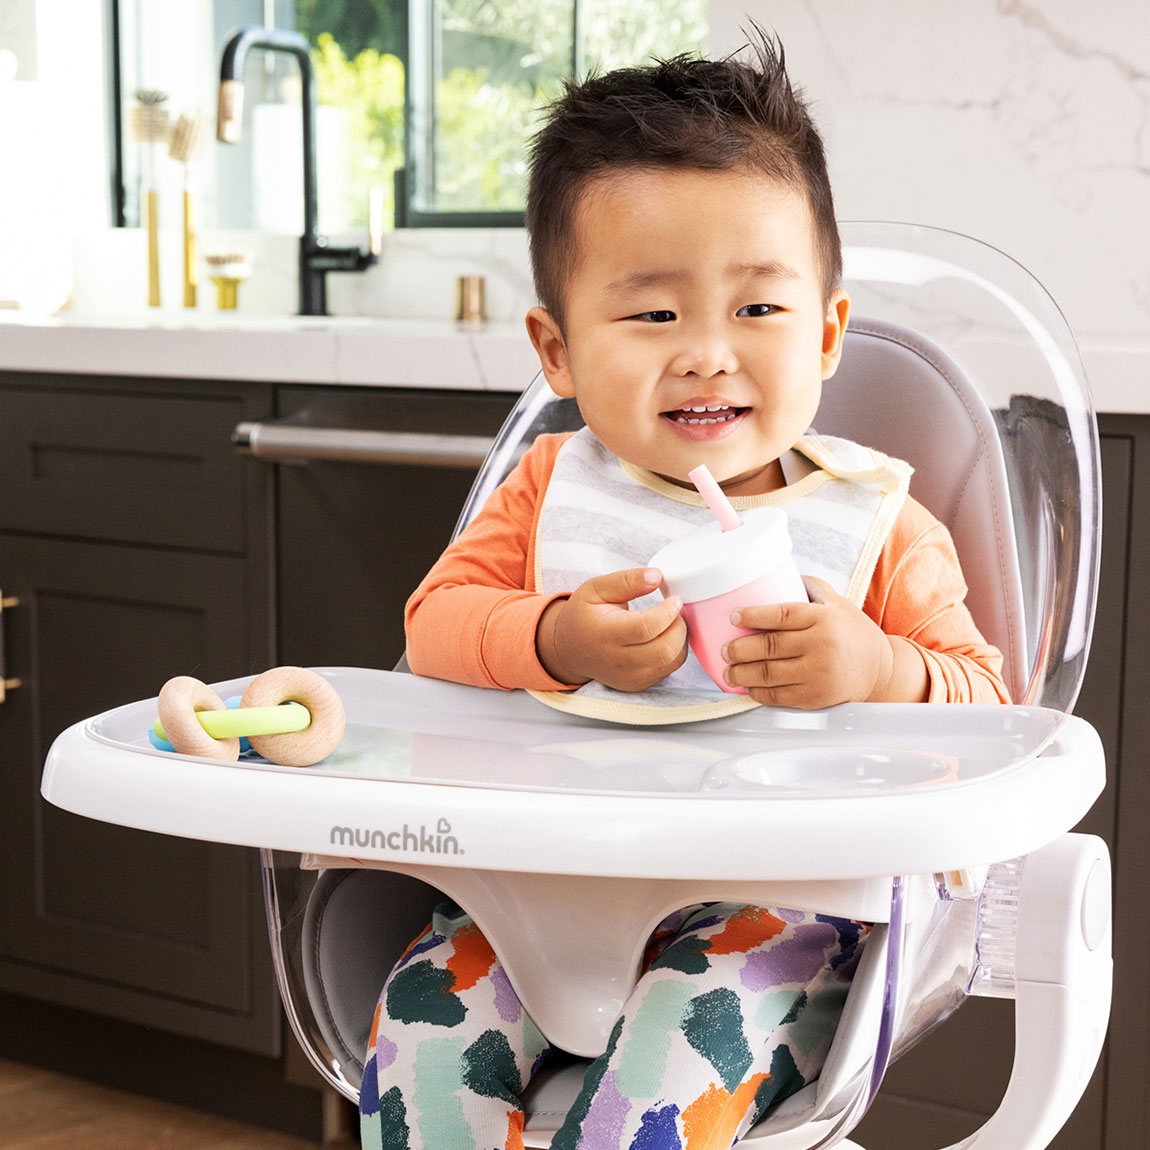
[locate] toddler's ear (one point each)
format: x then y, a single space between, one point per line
552 349
834 328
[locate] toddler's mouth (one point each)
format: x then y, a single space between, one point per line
702 415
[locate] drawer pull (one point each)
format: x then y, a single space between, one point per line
7 602
289 443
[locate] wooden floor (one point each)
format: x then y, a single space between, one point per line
40 1110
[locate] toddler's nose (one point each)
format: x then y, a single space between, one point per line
706 351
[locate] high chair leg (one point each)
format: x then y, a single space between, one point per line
1063 972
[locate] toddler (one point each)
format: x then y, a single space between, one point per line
687 261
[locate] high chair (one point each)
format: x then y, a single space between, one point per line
957 816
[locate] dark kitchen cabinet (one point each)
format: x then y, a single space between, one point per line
355 538
136 544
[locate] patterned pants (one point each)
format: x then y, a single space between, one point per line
736 1010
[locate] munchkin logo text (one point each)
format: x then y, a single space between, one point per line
441 842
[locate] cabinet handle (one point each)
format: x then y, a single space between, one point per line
6 684
288 443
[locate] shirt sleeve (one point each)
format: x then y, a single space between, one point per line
918 592
473 618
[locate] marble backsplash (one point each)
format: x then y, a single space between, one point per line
414 279
1026 126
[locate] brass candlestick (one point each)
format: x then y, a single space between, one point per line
227 270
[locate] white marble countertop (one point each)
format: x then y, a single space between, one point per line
364 352
290 349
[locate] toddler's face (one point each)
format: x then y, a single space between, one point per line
695 325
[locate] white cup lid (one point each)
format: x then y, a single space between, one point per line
709 561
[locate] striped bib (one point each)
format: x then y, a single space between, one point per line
601 514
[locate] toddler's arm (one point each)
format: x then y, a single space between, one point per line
473 617
476 617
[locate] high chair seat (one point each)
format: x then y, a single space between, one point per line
347 904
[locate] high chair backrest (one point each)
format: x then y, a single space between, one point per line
901 394
983 394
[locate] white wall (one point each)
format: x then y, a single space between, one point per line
1025 125
53 143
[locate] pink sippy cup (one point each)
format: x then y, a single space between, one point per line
736 561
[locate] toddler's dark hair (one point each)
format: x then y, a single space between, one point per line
686 112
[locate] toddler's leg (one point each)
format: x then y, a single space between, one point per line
451 1047
736 1013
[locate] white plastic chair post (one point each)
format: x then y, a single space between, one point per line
1063 971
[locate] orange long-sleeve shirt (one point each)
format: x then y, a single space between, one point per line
473 618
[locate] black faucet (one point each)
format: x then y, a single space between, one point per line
316 256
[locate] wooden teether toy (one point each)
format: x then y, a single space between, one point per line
306 728
297 685
182 700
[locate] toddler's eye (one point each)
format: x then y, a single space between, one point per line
657 316
754 310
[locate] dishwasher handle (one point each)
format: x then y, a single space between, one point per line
275 442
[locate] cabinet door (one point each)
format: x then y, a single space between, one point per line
133 466
1126 452
148 928
355 539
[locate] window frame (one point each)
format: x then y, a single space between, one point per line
415 19
419 70
115 90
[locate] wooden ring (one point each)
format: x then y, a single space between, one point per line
180 699
297 685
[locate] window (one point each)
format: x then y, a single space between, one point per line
432 100
479 71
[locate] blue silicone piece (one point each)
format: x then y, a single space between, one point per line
158 743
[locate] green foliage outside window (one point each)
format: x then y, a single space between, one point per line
354 24
482 129
498 64
369 88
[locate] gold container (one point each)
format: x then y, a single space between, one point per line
470 306
227 292
227 270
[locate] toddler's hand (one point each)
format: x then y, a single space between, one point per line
820 653
594 635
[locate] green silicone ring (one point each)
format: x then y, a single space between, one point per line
243 722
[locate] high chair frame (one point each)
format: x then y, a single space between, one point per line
971 878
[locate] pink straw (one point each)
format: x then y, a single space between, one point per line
714 498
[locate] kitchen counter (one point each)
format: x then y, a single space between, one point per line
376 352
291 349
